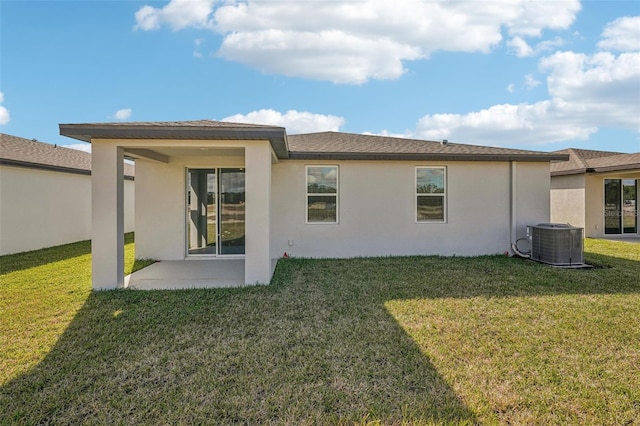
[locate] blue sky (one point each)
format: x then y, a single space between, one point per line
542 75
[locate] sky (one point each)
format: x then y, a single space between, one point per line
525 74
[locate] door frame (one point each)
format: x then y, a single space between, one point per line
620 212
218 223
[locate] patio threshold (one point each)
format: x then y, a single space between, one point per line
188 274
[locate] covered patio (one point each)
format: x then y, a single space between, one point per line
186 226
188 274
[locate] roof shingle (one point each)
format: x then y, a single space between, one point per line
322 146
19 151
336 145
585 160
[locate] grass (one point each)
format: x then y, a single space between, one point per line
40 294
415 340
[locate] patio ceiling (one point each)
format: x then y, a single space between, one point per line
156 153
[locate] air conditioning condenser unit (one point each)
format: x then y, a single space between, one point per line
558 244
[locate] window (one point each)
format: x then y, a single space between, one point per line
322 194
430 194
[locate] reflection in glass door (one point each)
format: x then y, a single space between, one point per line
215 211
629 206
202 211
231 211
620 206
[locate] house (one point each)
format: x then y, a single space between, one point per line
597 191
212 194
45 195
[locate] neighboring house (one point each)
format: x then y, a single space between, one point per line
210 192
45 195
597 191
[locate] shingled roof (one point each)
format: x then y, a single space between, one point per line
350 146
590 161
321 146
17 151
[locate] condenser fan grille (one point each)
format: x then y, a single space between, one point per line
557 244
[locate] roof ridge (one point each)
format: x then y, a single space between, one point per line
581 161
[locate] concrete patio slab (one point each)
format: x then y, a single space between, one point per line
187 274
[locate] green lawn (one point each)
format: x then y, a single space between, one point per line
419 340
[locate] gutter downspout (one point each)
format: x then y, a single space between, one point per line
513 198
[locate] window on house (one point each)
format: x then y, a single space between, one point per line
322 194
431 193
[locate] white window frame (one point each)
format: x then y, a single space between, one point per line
308 194
417 194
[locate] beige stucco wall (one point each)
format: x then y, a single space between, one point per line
568 198
579 200
160 204
41 208
377 209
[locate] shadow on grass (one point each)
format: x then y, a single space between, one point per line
31 259
315 347
289 353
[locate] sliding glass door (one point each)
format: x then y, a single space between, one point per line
215 211
620 206
629 206
231 211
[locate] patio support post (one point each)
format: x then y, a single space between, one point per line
107 216
257 265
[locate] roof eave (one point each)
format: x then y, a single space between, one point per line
425 156
619 168
50 167
87 132
606 169
568 172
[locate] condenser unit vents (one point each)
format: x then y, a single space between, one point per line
557 244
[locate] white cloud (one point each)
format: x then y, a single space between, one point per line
4 112
86 147
123 114
622 35
354 41
177 14
530 81
524 124
511 87
294 121
522 49
586 92
329 55
602 88
198 43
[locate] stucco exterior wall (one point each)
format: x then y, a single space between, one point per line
377 209
579 200
41 208
160 204
533 183
568 200
594 206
